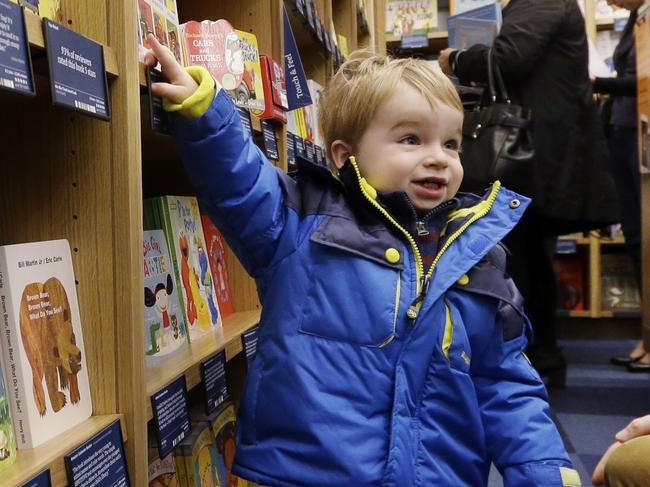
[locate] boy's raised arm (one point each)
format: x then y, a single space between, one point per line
234 182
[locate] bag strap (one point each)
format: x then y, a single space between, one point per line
494 71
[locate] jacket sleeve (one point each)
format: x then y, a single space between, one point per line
521 438
522 41
235 184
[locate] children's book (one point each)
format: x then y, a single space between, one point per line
199 455
569 273
164 320
216 248
465 32
179 217
223 425
42 341
407 17
7 440
491 12
162 472
275 90
159 17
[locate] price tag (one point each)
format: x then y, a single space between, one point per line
213 375
566 246
171 415
249 342
270 140
100 461
245 117
15 62
414 41
291 149
77 72
159 118
41 480
309 151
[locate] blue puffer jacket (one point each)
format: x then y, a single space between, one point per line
368 373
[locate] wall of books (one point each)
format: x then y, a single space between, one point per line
128 323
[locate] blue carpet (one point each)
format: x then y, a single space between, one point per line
598 401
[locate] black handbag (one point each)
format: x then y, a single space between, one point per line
497 141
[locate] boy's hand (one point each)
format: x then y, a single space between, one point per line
181 85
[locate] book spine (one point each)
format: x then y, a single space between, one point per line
15 383
179 463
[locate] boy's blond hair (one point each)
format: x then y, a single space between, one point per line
350 100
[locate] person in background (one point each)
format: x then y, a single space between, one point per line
542 53
626 462
372 367
621 110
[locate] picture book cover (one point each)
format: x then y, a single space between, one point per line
182 223
7 440
569 273
162 472
161 18
164 321
42 341
490 11
199 454
275 90
406 17
216 248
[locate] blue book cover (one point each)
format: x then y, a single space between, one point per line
465 32
486 12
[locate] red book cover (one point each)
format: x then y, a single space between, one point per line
570 283
217 259
275 91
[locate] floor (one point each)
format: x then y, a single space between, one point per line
600 398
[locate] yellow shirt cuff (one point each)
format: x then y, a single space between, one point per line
198 103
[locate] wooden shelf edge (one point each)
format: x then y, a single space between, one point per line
34 25
441 34
50 454
187 361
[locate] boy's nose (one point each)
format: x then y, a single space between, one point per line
436 157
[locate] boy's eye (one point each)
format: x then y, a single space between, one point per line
410 140
452 145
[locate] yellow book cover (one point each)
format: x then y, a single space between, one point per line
199 454
343 46
253 95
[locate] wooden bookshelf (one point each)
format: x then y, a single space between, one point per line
187 362
50 454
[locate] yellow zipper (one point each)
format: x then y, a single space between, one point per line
449 331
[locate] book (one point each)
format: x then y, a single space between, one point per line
275 90
7 439
216 248
159 17
459 6
569 274
407 17
465 32
162 472
165 330
223 425
197 452
619 289
42 341
491 12
231 56
180 219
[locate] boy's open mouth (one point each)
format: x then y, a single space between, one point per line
431 183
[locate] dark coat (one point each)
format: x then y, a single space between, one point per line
542 52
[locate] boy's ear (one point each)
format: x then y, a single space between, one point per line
341 151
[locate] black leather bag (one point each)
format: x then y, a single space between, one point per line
497 141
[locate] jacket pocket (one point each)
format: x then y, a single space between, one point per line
455 343
355 302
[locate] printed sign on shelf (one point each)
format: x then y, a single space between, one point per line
245 117
213 376
172 418
15 62
159 118
294 74
249 342
100 461
270 141
77 73
41 480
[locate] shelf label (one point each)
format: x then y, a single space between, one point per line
320 159
171 415
309 150
414 41
566 246
245 117
15 61
41 480
270 141
299 146
77 73
249 342
213 375
100 461
159 118
291 150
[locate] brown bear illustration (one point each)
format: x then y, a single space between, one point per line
49 341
